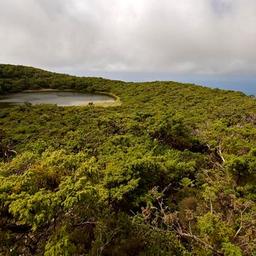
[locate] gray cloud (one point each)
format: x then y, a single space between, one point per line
200 37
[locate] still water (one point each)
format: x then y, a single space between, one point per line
53 97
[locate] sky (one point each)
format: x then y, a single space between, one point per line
209 42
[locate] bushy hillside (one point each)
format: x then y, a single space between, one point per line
18 78
172 171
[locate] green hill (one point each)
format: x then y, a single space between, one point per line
171 171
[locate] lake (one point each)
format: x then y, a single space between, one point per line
60 98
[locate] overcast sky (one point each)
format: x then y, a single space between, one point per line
132 39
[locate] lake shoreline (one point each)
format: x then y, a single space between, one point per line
61 98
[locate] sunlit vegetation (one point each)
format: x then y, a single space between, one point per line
171 171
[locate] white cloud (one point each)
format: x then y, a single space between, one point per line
192 37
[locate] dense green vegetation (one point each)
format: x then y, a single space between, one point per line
169 172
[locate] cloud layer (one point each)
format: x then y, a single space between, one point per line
199 37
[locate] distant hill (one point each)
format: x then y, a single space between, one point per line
14 78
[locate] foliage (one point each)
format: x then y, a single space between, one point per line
171 171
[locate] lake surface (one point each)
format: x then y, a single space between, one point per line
54 97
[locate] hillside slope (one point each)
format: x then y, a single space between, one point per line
169 172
